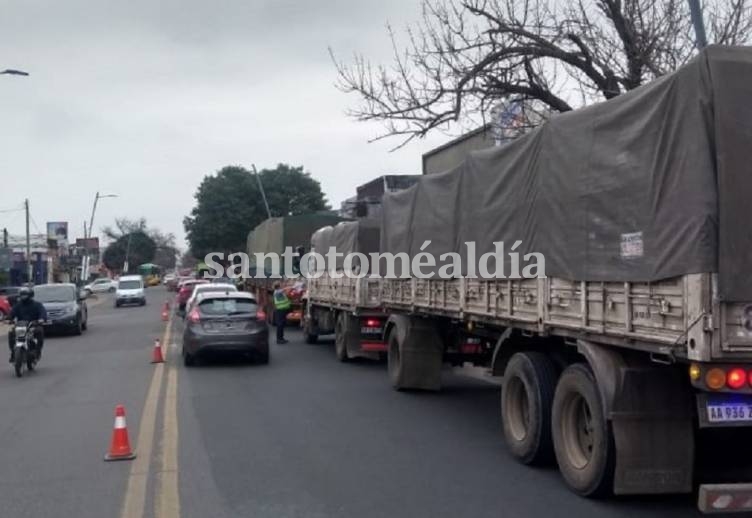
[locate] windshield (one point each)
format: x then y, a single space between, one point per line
129 285
55 294
221 307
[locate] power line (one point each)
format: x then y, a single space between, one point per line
34 223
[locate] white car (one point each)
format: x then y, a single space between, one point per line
101 286
167 278
207 288
130 290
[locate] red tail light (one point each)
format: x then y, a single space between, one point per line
260 315
372 322
194 316
736 378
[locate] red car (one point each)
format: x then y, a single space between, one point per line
4 308
185 292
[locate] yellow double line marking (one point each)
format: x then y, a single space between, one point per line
167 500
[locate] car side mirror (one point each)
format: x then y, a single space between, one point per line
83 295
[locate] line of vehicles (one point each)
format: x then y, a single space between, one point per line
630 382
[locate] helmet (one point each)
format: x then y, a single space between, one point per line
26 293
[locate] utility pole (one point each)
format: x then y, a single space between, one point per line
699 24
29 270
261 188
85 258
127 251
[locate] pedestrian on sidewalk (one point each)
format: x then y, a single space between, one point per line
281 308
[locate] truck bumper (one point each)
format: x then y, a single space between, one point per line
725 498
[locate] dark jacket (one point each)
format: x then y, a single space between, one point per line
28 311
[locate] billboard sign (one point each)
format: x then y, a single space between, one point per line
91 243
6 258
57 230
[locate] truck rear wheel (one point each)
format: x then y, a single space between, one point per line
340 337
526 399
394 362
583 441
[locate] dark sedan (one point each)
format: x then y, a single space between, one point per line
223 323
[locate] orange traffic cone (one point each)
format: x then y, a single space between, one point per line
166 312
120 448
156 355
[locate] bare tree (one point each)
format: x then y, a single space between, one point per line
466 57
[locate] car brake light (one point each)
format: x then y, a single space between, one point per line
194 316
260 315
736 378
372 322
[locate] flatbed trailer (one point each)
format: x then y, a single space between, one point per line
349 309
644 359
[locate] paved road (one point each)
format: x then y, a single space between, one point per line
304 436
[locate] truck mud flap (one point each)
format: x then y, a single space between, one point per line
421 355
651 414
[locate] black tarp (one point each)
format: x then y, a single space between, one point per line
652 184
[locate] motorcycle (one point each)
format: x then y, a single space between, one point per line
25 352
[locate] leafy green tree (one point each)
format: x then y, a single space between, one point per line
139 247
166 249
229 204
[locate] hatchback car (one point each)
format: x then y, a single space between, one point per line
185 292
10 293
225 323
200 289
4 308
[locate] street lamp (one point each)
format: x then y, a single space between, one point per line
85 260
14 72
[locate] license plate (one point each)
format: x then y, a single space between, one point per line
729 413
371 330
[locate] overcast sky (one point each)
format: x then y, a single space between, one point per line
144 98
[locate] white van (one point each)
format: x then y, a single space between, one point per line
130 290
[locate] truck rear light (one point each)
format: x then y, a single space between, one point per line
373 322
194 316
695 372
736 378
715 379
470 348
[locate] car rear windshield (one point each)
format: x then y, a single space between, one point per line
129 285
222 307
54 293
208 288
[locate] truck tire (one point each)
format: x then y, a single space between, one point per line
394 363
340 337
526 399
583 441
309 334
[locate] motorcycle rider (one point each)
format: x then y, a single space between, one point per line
29 310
